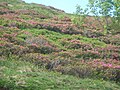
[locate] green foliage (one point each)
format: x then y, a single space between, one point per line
104 8
21 75
57 38
109 9
80 17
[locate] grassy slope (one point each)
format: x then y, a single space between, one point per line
57 38
21 75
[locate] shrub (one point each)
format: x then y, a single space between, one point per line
36 58
10 48
40 45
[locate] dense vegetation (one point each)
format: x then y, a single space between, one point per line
44 48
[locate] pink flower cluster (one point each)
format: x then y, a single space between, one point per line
93 52
75 41
7 35
2 44
21 47
35 45
65 28
3 39
10 35
9 16
20 20
47 45
66 19
32 22
104 64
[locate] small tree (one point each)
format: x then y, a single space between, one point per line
116 19
80 17
108 9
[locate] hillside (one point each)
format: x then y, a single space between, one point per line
43 48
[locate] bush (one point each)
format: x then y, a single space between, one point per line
9 48
39 45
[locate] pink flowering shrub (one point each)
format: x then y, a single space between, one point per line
36 58
40 45
66 19
111 39
110 51
94 69
62 28
10 48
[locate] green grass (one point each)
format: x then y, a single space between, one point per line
56 37
21 75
